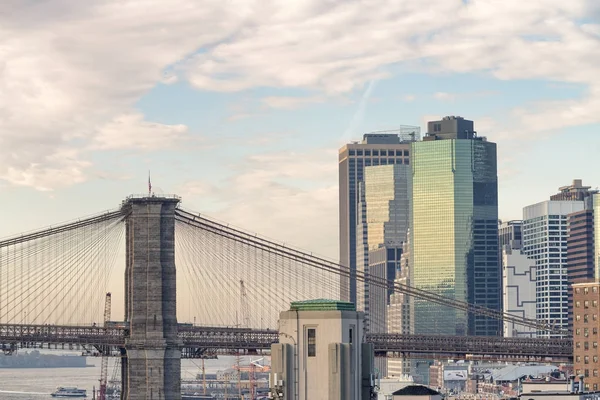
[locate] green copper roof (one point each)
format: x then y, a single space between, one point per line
322 305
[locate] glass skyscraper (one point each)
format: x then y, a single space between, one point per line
384 220
454 228
379 148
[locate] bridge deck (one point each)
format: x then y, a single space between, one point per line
200 340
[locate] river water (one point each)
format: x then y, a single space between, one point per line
38 383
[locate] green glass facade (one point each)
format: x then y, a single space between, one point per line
454 234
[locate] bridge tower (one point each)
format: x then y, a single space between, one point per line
152 365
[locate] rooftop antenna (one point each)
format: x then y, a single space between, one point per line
149 184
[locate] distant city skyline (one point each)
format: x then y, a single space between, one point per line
241 109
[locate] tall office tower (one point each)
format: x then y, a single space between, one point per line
384 218
379 148
399 314
545 242
518 280
454 228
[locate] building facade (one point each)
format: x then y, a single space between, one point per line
321 353
545 242
383 213
399 315
374 149
454 228
518 291
580 252
586 363
510 234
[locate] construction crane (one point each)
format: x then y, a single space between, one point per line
244 323
105 352
252 368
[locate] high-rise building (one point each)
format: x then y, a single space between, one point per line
383 226
545 242
518 280
399 315
383 218
454 227
380 148
586 354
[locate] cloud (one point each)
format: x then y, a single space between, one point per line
72 71
291 103
131 131
443 96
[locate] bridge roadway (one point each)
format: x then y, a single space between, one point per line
202 341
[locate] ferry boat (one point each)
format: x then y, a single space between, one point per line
69 392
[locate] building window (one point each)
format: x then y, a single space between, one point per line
586 290
577 317
586 304
595 289
595 303
585 318
595 331
586 345
578 304
594 317
595 373
577 290
595 358
595 345
586 359
578 331
577 345
578 359
350 335
311 342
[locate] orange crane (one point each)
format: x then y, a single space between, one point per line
105 352
252 369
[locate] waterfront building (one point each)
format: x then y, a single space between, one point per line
454 228
378 148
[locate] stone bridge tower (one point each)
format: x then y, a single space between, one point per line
151 367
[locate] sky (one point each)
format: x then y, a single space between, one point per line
240 106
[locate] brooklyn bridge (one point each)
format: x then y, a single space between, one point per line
192 287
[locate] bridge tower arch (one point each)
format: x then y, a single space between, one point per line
152 366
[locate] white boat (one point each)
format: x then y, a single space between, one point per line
69 392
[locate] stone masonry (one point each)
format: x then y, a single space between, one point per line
152 368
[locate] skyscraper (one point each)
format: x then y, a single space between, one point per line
518 280
545 242
454 227
380 148
383 226
399 315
